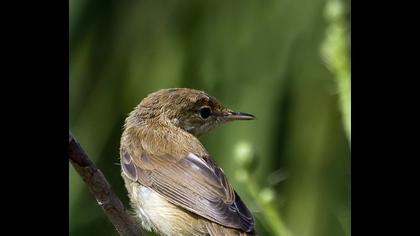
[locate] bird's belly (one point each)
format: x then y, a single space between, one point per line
161 216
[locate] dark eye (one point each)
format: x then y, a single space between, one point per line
205 112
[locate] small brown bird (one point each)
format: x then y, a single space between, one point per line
175 187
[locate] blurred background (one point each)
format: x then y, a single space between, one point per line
285 61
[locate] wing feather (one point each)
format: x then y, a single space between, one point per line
191 182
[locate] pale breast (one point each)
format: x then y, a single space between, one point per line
164 218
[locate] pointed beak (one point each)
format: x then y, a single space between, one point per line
239 116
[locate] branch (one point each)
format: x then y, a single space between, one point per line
101 189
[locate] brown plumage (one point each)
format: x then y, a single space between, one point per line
175 187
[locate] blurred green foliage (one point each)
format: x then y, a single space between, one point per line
261 57
336 53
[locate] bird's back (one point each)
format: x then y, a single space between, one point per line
182 193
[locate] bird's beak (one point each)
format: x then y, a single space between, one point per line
232 115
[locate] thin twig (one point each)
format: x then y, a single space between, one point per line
101 189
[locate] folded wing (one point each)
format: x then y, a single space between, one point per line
191 182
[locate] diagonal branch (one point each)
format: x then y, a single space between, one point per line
101 189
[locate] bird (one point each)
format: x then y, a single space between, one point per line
174 185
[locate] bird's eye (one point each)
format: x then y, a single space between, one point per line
205 112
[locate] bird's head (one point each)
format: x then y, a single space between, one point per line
191 110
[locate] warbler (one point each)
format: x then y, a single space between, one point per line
174 185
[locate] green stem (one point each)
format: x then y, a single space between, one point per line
271 216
